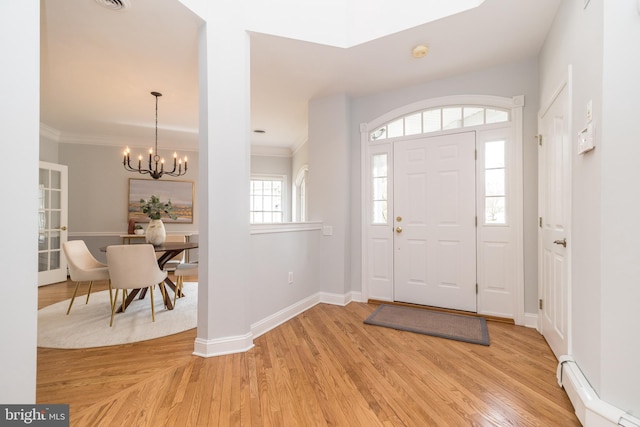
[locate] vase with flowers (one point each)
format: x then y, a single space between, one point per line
155 209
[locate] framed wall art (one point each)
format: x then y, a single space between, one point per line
179 192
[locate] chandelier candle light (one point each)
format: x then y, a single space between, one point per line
155 161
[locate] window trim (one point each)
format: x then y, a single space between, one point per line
299 210
283 201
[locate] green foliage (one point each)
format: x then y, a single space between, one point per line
154 208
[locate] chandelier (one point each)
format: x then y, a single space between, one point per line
156 163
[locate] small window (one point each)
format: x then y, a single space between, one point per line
413 124
451 118
438 119
473 116
497 116
395 129
495 182
432 120
265 200
379 186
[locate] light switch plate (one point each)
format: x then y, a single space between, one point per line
586 139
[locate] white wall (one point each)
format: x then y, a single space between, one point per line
509 80
328 187
576 39
605 232
20 105
224 105
273 256
346 23
620 208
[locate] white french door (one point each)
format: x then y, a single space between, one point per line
434 216
52 223
554 205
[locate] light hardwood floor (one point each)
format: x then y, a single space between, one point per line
322 368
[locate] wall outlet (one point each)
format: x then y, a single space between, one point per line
290 277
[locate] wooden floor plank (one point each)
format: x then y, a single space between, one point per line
324 367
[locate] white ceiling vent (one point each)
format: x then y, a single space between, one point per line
115 4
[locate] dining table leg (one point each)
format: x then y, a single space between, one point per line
134 292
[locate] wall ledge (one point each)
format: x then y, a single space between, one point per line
285 227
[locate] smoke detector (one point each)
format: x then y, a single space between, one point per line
115 4
420 51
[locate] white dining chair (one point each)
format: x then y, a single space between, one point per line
83 267
184 269
133 267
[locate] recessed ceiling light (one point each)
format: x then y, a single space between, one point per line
420 51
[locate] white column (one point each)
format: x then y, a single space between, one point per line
329 189
19 128
223 322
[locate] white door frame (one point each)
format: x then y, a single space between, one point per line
382 289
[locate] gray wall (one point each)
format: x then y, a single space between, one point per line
520 78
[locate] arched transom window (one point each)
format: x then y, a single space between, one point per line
439 119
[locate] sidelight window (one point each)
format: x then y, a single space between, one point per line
379 187
495 182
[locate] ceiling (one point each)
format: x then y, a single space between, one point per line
98 67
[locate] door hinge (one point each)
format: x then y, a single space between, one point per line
476 155
476 221
540 221
476 289
540 304
539 138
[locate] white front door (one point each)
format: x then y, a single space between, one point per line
434 218
52 223
554 183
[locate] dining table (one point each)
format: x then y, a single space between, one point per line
169 251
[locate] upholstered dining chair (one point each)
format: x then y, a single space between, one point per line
83 267
173 263
184 269
133 267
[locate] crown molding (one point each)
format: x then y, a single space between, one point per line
268 151
49 132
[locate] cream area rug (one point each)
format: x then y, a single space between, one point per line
87 325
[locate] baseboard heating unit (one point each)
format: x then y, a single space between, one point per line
590 409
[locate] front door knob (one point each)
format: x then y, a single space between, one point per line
398 229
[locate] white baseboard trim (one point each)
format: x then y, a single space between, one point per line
339 299
590 409
240 344
277 319
531 320
222 346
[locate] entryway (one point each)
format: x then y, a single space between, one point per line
442 205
